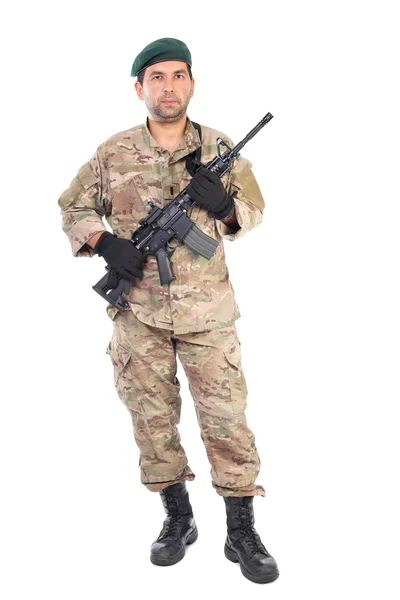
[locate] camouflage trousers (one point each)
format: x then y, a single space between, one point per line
145 367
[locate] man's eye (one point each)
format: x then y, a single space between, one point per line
180 75
157 76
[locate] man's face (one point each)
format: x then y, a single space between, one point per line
166 91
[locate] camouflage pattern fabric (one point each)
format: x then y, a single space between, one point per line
144 359
127 172
193 316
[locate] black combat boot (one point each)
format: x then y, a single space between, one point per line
243 544
179 527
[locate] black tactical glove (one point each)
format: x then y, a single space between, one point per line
207 190
125 260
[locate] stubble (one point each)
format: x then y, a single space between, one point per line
164 113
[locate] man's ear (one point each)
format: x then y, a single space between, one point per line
139 90
192 92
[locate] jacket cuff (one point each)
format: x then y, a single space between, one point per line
80 233
248 216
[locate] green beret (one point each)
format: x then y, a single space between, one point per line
159 51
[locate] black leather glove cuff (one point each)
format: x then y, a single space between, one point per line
102 242
228 210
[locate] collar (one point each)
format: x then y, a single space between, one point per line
188 144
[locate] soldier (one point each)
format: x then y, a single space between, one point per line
193 316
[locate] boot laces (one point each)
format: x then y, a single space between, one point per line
171 526
251 540
174 518
174 504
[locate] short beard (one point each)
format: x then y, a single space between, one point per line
159 114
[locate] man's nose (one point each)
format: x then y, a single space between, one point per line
169 85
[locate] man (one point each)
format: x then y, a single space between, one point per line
193 316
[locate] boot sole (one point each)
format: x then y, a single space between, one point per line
166 562
233 557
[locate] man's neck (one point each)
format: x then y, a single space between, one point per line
167 135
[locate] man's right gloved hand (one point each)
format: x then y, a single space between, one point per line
122 256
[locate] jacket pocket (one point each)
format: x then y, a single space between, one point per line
112 311
86 176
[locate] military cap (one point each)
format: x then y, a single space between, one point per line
159 51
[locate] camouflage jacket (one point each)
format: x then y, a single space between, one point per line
128 171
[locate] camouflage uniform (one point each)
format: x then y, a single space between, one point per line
193 315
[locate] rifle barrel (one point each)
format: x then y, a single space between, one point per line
253 132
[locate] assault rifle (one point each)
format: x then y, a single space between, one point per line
162 225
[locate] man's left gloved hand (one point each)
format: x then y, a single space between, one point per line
207 190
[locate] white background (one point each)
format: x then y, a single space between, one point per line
317 285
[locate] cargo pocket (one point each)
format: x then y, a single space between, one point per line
237 382
123 380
